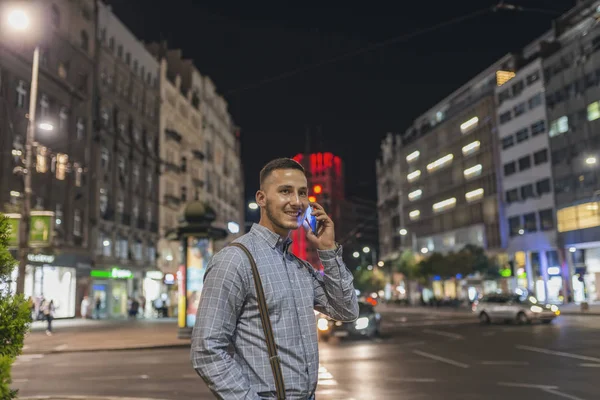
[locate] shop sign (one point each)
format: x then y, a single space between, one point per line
40 230
41 258
115 273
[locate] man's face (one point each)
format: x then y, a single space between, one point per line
284 197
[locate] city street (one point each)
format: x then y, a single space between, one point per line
419 356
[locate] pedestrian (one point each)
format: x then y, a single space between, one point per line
48 311
85 306
230 313
98 307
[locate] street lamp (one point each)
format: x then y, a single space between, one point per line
356 254
46 126
253 206
366 249
380 264
590 160
18 20
403 232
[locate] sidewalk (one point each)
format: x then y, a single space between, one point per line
75 335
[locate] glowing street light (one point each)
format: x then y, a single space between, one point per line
253 206
366 249
590 160
46 126
18 20
380 264
403 232
356 254
424 250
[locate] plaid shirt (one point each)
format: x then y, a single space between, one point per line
228 315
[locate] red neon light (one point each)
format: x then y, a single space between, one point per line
317 189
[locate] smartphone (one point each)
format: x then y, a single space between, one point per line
311 220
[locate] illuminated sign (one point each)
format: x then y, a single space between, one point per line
40 258
115 273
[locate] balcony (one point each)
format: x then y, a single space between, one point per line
173 135
199 155
170 167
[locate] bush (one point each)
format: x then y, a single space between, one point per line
15 316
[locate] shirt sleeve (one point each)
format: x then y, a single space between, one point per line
220 306
334 289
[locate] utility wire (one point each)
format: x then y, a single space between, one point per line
404 37
363 50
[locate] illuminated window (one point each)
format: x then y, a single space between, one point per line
440 162
578 217
471 148
414 214
504 76
469 125
444 205
413 156
593 111
413 175
61 166
41 160
474 195
412 196
473 171
559 126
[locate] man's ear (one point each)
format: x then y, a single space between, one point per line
261 198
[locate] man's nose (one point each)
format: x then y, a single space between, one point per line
295 200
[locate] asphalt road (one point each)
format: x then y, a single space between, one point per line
419 356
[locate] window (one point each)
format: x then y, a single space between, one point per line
519 109
55 16
120 51
183 193
508 142
510 168
530 222
183 164
61 166
414 195
514 226
63 70
78 174
103 203
505 117
105 159
524 163
512 196
111 43
538 127
85 41
533 77
543 186
527 192
503 96
540 157
21 94
473 171
558 126
80 128
546 219
77 222
522 135
593 111
535 101
517 88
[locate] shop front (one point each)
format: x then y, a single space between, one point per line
110 291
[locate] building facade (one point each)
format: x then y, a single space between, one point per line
527 182
126 168
572 80
64 31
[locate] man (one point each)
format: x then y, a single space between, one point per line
228 312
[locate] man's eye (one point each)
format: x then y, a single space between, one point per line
286 191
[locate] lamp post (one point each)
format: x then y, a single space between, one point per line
19 21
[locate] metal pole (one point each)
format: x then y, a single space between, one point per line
26 209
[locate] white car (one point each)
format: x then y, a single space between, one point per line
520 308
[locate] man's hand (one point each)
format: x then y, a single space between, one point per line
325 237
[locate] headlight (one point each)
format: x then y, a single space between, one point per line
362 323
536 309
554 308
323 324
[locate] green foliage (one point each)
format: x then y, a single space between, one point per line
15 317
469 260
369 281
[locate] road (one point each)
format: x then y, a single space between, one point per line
419 356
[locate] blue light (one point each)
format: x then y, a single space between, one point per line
437 278
458 276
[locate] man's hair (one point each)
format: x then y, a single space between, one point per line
278 163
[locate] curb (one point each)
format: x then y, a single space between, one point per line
98 350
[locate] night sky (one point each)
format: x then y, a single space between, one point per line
349 105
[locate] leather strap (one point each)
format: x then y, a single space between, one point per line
266 324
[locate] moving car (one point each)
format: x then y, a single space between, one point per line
522 308
367 324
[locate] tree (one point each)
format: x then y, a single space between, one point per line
15 316
369 281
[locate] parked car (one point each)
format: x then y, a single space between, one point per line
368 324
522 308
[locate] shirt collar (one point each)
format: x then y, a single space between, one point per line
273 239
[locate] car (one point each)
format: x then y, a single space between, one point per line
522 308
367 324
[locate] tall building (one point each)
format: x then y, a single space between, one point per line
527 178
64 31
215 173
441 186
572 81
359 229
325 178
126 167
